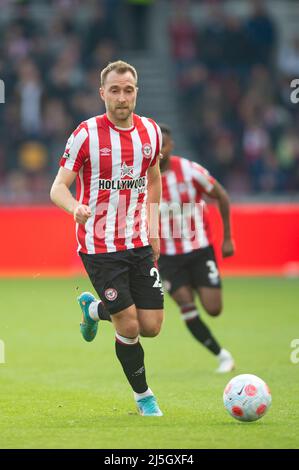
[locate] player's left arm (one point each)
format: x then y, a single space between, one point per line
218 192
154 190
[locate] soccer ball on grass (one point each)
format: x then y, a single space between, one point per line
246 397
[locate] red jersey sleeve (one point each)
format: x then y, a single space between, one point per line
202 179
76 149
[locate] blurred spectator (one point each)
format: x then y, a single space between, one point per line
53 53
261 34
234 93
236 106
138 28
30 92
183 34
289 58
213 37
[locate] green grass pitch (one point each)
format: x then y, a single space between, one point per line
57 391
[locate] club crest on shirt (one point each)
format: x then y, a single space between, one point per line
147 150
111 294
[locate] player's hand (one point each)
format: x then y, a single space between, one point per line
228 248
82 214
155 243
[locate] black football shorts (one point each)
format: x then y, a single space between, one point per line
196 269
124 278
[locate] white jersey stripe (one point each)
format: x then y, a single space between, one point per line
187 172
199 224
179 220
201 176
80 174
137 164
76 145
143 228
165 227
114 195
94 182
152 134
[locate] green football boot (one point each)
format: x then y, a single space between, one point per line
88 327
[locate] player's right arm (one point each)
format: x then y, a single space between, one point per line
62 197
219 193
209 185
73 159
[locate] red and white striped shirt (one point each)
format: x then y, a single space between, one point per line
184 215
112 164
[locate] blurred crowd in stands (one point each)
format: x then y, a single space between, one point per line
234 83
233 87
51 54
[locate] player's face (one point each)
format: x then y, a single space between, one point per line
119 94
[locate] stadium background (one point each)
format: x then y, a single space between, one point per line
219 73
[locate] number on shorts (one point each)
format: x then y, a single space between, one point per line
213 271
155 273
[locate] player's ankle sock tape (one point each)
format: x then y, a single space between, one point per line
124 340
131 357
188 312
198 328
147 393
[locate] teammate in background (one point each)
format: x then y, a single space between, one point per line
187 262
114 158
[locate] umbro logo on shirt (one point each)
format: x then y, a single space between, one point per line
105 152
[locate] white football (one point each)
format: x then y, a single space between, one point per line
246 397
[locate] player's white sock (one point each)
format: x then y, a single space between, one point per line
147 393
224 354
93 310
226 361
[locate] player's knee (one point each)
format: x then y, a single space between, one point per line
155 330
183 301
150 331
130 329
214 310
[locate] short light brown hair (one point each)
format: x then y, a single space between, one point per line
119 67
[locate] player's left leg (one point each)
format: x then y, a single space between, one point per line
211 299
150 321
92 309
207 282
146 290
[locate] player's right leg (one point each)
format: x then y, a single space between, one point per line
177 273
184 297
131 356
206 280
109 274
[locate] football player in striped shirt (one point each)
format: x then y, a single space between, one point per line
187 262
114 159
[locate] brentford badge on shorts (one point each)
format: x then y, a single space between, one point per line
111 294
147 150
